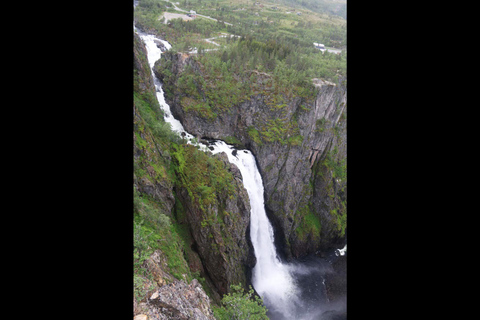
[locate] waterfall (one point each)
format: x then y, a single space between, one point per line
270 278
153 54
276 282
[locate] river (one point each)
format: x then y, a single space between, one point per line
294 290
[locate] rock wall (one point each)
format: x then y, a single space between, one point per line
300 147
211 235
220 230
148 152
172 299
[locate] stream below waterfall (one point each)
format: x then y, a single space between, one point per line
294 290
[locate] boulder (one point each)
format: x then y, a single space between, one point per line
180 301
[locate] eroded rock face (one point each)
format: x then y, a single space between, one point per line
170 298
179 301
224 247
305 198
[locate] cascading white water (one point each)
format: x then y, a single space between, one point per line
153 54
273 280
270 278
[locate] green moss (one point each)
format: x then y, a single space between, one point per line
295 140
154 230
320 125
340 216
205 110
139 141
206 179
310 224
254 135
234 141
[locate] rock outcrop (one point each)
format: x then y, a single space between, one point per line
336 282
299 144
220 229
179 301
172 299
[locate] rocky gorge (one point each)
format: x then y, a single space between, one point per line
299 143
196 208
300 148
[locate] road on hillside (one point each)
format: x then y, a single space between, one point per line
333 50
200 15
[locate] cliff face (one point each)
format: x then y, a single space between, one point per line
150 158
215 205
191 215
299 143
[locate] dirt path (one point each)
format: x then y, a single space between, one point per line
170 16
200 15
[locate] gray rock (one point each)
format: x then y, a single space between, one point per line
294 174
180 301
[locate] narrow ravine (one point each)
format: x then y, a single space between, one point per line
289 290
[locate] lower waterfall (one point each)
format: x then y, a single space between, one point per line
293 290
270 278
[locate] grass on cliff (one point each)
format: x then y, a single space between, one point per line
309 225
154 230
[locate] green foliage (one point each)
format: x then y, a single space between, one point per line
147 12
340 170
154 230
234 141
149 109
205 178
321 6
254 134
201 108
310 224
337 167
238 305
320 125
340 219
141 286
295 140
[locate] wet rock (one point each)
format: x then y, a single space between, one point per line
336 282
160 45
334 315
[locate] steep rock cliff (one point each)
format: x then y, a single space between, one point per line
216 207
151 160
299 143
190 208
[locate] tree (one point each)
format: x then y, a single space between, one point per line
238 305
225 56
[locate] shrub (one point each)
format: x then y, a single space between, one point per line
239 305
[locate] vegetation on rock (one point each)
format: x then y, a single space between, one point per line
240 305
256 91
